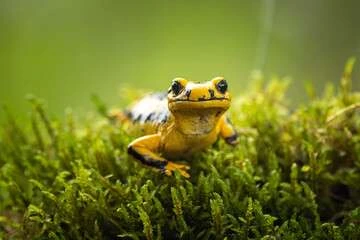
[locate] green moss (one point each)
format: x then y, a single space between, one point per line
294 175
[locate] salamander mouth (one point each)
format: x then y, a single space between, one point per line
199 100
222 103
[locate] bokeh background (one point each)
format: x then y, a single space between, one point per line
63 51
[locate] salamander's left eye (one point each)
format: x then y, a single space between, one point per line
176 87
222 86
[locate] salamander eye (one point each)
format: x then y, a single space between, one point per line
176 87
222 86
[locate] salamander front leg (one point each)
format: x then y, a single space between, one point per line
145 150
228 131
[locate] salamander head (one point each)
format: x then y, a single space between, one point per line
186 95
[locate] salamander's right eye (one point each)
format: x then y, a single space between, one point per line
176 87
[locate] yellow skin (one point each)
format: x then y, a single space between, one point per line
195 120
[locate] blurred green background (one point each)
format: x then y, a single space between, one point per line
63 51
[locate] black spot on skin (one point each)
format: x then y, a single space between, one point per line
187 93
203 98
149 117
232 140
138 118
128 114
218 114
147 160
212 93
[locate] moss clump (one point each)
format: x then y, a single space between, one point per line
294 175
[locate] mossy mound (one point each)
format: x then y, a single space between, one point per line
294 175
